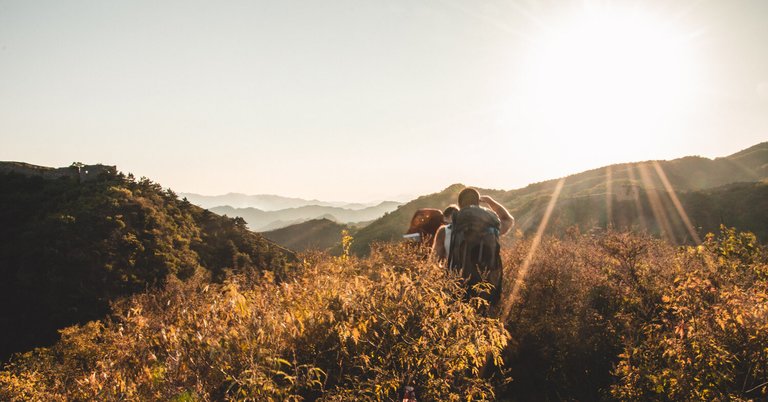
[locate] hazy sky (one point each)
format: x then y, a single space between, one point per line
360 100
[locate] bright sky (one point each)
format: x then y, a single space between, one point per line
362 100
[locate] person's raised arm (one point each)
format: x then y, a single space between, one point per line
507 221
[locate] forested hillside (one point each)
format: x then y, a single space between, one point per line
631 196
68 249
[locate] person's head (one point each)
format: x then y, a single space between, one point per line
449 211
469 196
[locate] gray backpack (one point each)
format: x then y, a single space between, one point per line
475 248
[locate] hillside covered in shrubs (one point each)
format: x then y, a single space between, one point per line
69 248
599 316
642 196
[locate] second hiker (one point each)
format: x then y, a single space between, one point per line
442 242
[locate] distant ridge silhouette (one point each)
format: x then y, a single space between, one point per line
260 221
266 202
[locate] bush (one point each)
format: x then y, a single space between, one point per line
624 316
708 340
578 302
600 316
342 328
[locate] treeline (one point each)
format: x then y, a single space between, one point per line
68 249
742 205
600 316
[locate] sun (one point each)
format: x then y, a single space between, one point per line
607 71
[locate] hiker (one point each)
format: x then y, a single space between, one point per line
424 224
442 243
474 248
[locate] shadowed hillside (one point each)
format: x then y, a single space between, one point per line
630 196
317 234
69 248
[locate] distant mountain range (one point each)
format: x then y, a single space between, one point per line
647 195
265 202
260 221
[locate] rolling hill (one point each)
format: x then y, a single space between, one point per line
637 195
316 234
69 247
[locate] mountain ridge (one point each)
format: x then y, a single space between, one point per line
579 200
316 234
267 202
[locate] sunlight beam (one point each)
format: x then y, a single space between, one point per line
657 207
507 306
636 195
608 196
676 202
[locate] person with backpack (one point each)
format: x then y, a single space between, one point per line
474 248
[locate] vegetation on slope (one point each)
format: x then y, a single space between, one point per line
620 316
711 192
604 316
67 249
341 329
